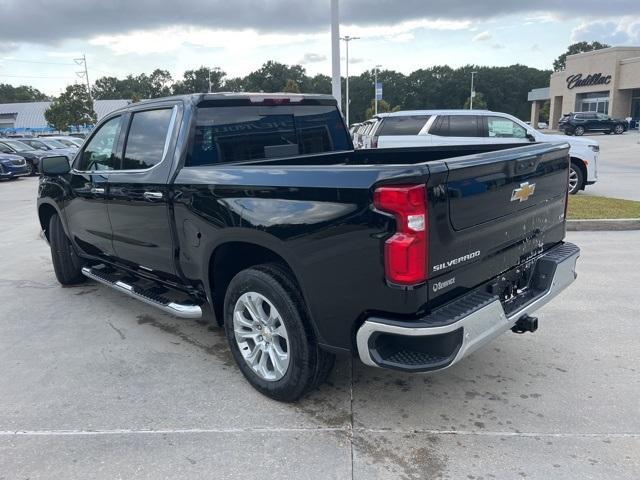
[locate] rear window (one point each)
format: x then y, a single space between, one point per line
234 134
409 125
456 126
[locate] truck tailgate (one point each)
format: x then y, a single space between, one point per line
493 211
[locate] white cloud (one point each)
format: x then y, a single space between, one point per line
625 31
312 58
482 37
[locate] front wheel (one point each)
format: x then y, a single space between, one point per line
579 131
618 130
31 169
576 179
268 330
66 264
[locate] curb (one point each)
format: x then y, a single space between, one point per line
603 224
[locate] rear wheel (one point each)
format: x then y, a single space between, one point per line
66 264
269 334
618 129
579 131
576 179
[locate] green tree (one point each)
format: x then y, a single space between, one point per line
291 87
560 63
73 107
197 81
544 111
160 83
273 77
479 102
383 107
23 93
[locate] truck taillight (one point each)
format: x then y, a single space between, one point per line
405 253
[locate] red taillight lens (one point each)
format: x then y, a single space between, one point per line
405 253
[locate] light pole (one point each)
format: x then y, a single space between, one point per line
346 40
215 69
375 87
336 80
472 92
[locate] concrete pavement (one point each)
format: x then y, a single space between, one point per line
96 385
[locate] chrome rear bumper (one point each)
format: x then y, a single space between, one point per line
473 321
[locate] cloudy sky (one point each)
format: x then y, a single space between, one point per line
39 39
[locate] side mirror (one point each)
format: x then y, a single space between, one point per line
55 166
530 137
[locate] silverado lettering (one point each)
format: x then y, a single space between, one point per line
456 261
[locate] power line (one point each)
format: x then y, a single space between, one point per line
33 76
35 61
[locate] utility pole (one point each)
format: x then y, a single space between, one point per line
473 93
84 74
336 80
375 87
346 40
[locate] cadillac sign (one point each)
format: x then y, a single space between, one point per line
577 80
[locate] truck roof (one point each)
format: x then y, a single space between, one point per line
404 113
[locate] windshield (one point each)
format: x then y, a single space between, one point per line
53 143
17 146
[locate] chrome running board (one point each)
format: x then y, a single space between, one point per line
178 309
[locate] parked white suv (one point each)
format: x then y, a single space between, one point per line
473 127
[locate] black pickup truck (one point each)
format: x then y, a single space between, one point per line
257 207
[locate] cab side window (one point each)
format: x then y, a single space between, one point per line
499 127
146 139
99 153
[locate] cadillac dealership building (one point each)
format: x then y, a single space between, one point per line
605 81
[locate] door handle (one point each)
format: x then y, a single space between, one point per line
153 195
97 190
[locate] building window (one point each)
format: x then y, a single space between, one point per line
593 102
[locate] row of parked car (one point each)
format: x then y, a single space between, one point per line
420 128
21 156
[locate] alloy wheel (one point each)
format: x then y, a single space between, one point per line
573 180
619 129
261 336
579 131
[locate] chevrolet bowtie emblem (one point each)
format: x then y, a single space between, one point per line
523 193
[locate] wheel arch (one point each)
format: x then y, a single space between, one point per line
45 212
578 162
231 257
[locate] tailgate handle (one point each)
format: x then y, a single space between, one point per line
525 164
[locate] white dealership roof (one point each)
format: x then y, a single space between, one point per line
31 114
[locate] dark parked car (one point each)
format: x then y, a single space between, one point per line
581 122
16 147
257 206
12 166
52 147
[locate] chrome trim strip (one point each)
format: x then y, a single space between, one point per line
167 142
480 327
176 309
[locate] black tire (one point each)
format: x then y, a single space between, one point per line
579 175
309 366
618 129
31 168
579 131
66 264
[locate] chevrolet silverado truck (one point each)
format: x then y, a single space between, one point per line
256 207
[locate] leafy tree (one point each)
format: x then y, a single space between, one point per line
197 81
560 63
383 107
73 107
233 85
160 83
318 84
273 77
291 87
479 103
23 93
544 111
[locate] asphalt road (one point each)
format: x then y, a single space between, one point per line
618 167
96 385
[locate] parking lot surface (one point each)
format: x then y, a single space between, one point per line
96 385
618 166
